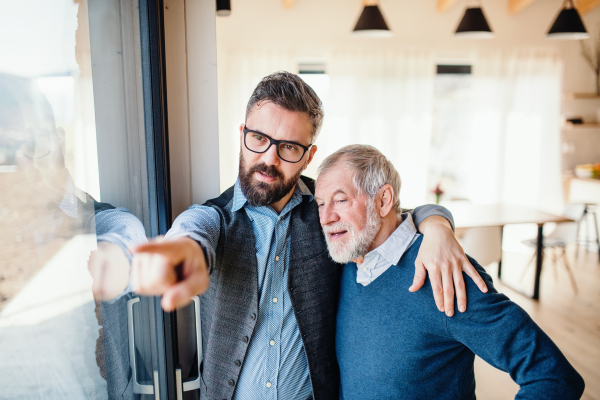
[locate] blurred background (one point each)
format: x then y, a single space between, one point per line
463 128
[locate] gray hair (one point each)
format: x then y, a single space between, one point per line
371 169
290 92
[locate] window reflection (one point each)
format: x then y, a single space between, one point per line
73 198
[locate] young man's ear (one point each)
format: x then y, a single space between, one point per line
242 126
311 154
385 200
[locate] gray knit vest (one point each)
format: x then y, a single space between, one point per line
230 306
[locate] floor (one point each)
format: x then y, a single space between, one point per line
48 332
33 230
571 320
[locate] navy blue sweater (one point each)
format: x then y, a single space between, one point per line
393 344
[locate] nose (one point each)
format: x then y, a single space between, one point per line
327 215
270 156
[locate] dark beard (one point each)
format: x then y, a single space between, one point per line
260 193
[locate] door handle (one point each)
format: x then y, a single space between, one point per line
195 384
178 385
137 388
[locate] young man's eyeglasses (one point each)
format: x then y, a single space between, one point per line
257 142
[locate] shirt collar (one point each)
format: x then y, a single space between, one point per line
69 201
398 242
300 191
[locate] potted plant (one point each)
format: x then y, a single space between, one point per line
591 54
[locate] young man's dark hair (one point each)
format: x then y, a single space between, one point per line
290 92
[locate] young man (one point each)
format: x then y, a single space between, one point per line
268 315
391 344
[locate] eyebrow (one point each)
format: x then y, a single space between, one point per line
334 193
254 130
285 141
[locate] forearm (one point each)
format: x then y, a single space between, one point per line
120 227
536 364
117 231
201 224
432 216
505 336
443 258
436 224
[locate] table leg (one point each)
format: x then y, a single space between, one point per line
500 262
597 235
538 262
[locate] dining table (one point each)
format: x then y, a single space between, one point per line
470 215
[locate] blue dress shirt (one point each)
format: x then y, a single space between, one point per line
275 366
379 260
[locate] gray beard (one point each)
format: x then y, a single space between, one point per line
358 243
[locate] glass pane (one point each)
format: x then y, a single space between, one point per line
75 198
452 110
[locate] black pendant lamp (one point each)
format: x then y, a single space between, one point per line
371 22
568 25
473 24
223 8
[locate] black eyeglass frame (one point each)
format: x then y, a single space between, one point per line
26 142
276 143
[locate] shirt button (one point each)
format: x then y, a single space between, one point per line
245 339
253 316
274 299
276 258
365 269
272 342
268 384
237 363
231 382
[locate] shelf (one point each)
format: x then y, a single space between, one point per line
571 96
571 175
577 127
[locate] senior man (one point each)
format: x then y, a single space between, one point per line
392 344
268 315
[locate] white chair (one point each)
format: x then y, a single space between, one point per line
564 234
483 244
589 218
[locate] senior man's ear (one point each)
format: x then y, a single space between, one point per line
385 200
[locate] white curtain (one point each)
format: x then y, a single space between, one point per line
513 151
239 72
383 99
510 153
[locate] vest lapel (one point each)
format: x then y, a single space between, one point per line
230 306
313 284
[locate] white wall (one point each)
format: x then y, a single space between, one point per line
314 28
192 101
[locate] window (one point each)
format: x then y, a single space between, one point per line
314 74
79 167
450 129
